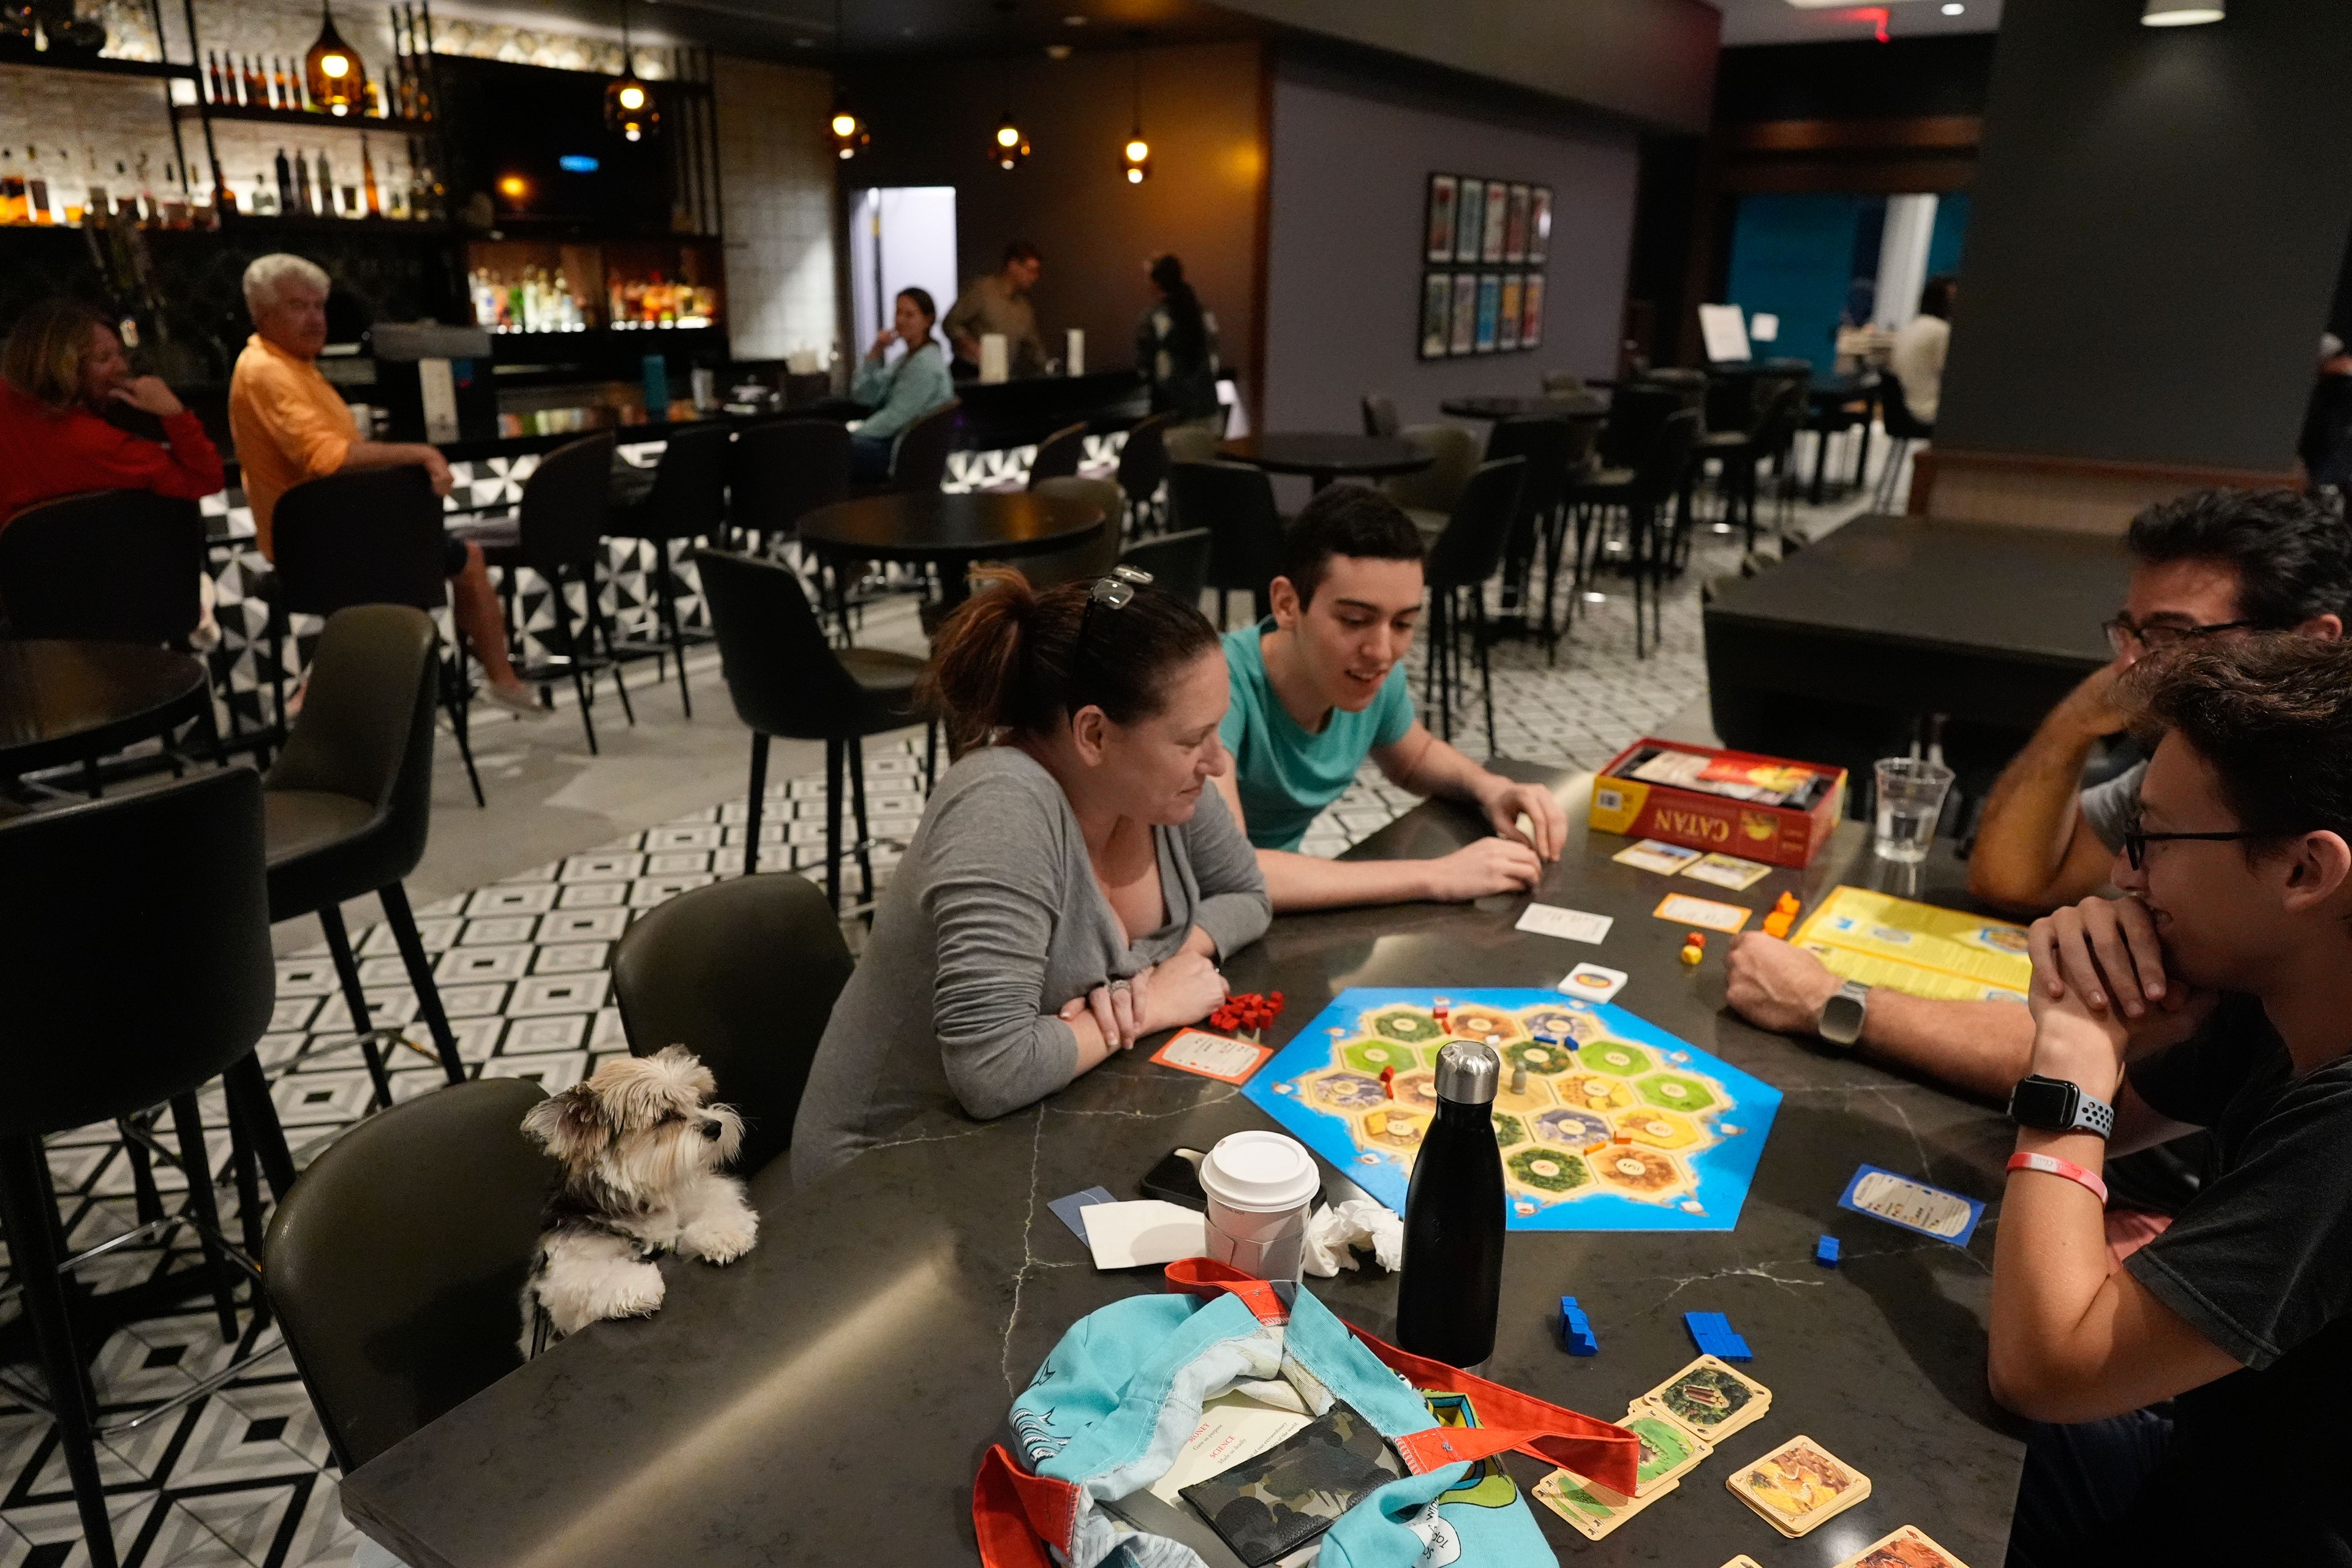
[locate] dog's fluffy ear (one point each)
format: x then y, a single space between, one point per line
571 1126
689 1066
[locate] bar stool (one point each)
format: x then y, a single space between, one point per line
112 999
1179 562
1646 493
1380 414
349 804
778 472
1428 496
558 531
1143 468
1466 556
1090 557
688 501
1903 429
1234 502
788 680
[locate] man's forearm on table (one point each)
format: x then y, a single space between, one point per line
1980 1048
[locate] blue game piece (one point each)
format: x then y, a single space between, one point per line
1576 1334
1712 1333
1825 1252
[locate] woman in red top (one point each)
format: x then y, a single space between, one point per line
61 369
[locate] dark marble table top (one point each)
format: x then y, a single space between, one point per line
1326 454
1583 405
940 526
62 701
826 1399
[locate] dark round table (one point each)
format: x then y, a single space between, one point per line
953 531
1583 407
75 701
1323 456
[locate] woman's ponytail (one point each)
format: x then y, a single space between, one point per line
975 681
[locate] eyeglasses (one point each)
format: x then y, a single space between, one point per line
1115 591
2163 634
2137 840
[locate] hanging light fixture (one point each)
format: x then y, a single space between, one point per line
848 132
2181 13
629 106
1135 158
332 69
1008 147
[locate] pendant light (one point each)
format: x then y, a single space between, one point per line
2181 13
1009 147
629 105
1135 158
848 132
332 69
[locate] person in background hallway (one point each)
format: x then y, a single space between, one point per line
64 386
900 394
290 426
1917 360
1000 303
1176 351
2325 448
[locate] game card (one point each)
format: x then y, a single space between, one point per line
1799 1486
1914 1205
1667 1450
1743 1561
1213 1056
1067 1209
1728 871
1704 913
1591 1508
1592 983
1651 855
1908 1547
1709 1398
1575 925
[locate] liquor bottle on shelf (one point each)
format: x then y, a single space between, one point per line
13 206
37 188
265 202
257 90
149 210
215 88
285 207
326 186
284 80
367 181
99 207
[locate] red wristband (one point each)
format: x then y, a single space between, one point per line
2053 1166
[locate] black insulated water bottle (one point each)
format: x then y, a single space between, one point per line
1450 1294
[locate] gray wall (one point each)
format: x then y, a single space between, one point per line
1352 158
2159 213
1649 60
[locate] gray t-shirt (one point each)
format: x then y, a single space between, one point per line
2109 807
993 921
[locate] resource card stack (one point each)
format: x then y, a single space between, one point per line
1906 1547
1799 1486
1679 1423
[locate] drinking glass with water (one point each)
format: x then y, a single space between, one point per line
1911 793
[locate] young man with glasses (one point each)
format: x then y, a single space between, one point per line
2219 1352
2207 568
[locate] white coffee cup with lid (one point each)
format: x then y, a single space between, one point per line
1260 1187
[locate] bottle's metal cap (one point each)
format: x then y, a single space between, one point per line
1467 1072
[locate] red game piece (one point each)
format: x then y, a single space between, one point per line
1388 1083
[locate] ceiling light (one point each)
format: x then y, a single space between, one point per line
1008 147
2181 13
1058 51
847 131
629 107
1074 21
1135 158
333 71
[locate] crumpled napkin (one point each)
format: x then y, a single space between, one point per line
1333 1232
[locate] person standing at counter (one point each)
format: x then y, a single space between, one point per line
289 424
1000 303
62 374
902 392
1176 351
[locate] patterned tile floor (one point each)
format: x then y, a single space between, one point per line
243 1476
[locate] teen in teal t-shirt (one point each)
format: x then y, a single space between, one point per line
1286 775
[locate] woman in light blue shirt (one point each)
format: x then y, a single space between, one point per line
902 392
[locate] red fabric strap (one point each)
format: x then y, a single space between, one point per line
1014 1513
1208 1278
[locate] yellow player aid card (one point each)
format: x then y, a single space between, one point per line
1945 955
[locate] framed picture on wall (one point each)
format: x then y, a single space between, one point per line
1437 311
1499 213
1469 213
1506 314
1539 225
1439 244
1490 303
1532 312
1462 321
1514 226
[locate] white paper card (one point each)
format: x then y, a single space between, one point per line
1233 1427
1125 1236
1576 925
1592 983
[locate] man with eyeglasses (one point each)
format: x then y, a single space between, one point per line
2209 567
2215 992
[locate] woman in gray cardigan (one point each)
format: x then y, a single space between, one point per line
1075 883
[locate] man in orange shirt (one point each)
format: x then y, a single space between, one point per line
291 424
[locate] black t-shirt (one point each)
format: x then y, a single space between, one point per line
2259 1262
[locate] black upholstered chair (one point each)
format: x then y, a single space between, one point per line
1143 468
1178 563
1646 494
1380 414
688 501
115 998
1465 557
349 801
1553 448
373 536
1234 503
788 680
1091 556
918 459
558 531
781 470
743 974
1904 430
108 566
396 1265
1058 454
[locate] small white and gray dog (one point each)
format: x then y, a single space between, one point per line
642 1151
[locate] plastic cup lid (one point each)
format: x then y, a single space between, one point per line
1260 1173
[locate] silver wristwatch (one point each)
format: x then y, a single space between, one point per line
1840 1020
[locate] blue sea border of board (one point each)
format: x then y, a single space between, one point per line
1723 1171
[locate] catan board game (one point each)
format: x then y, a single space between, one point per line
1617 1124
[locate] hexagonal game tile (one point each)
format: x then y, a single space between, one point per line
1372 1056
1552 1021
1617 1057
1342 1091
1676 1091
1547 1172
1418 1087
1477 1023
1508 1129
1407 1026
1658 1128
1594 1092
1398 1127
1573 1129
1547 1060
1641 1172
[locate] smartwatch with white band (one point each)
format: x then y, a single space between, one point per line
1841 1015
2054 1105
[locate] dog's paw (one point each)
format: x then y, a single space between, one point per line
636 1291
721 1237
